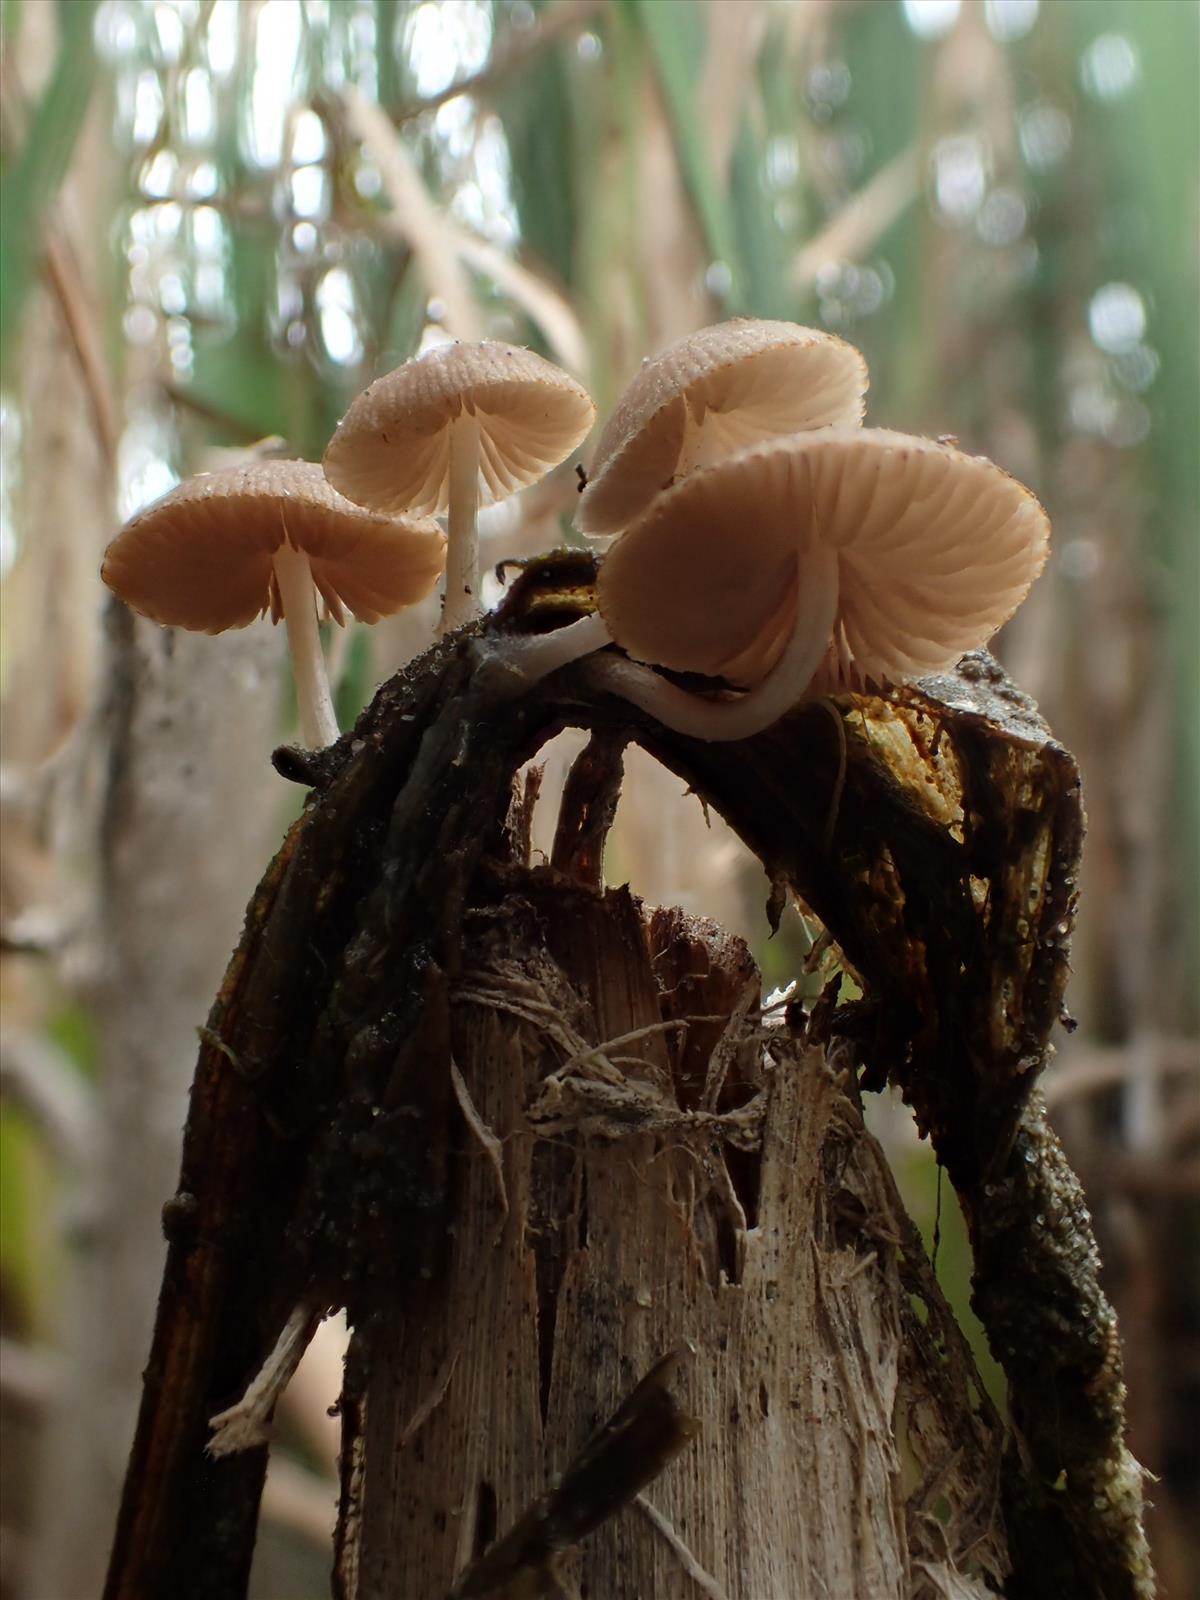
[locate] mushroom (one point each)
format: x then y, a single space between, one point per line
461 426
708 395
225 546
828 560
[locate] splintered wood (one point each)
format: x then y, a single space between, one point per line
642 1165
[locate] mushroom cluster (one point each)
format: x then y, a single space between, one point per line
767 540
462 426
757 533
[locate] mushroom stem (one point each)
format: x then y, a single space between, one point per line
767 701
461 603
509 666
298 603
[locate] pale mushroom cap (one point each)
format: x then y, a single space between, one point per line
200 557
936 549
391 450
746 380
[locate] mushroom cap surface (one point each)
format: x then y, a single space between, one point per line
746 380
391 451
201 556
936 549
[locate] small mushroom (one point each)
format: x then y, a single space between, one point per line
461 426
225 546
711 394
832 560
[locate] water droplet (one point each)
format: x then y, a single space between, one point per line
368 180
1002 217
959 176
1129 425
1135 369
203 181
1079 560
1117 317
782 161
140 324
718 279
308 138
1109 67
931 19
158 176
1044 134
308 187
168 30
827 85
1091 407
1010 19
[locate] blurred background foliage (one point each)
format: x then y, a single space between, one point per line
221 218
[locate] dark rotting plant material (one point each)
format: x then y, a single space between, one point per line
315 1144
645 1433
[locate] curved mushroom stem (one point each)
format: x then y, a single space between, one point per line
511 665
779 691
298 602
461 603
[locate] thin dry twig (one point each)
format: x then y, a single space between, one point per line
66 281
433 1399
60 265
414 216
727 1046
492 1147
598 1052
699 1575
41 1078
736 30
1091 1069
864 218
539 299
555 23
442 249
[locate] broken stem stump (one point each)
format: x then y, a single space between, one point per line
622 1187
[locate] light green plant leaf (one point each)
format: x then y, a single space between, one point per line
29 185
674 32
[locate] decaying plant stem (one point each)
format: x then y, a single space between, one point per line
324 1152
764 1232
